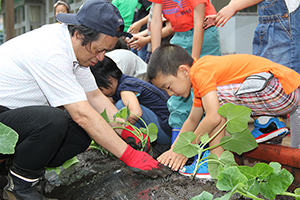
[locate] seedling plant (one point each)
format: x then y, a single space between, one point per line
150 130
267 180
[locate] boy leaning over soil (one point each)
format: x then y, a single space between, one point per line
217 80
141 97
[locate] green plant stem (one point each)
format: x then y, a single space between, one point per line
139 136
290 194
247 194
144 141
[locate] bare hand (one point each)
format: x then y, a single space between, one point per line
134 28
138 42
173 160
224 15
209 21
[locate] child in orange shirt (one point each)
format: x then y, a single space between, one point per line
217 80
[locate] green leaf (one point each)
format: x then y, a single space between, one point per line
216 164
70 162
66 165
184 145
237 117
203 196
234 144
297 192
204 138
258 172
122 113
104 115
225 197
229 178
143 130
8 139
56 169
277 182
152 132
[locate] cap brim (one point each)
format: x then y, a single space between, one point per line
120 34
67 18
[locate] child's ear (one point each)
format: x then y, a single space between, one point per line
184 70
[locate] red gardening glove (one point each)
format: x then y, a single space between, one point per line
133 141
142 163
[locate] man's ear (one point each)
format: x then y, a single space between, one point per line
184 70
77 36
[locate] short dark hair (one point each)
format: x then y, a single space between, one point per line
166 59
90 35
104 69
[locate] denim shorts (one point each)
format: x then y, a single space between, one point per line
277 36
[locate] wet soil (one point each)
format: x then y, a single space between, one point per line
99 176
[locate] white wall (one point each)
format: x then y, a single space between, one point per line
237 34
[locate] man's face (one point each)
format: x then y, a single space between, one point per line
94 52
179 85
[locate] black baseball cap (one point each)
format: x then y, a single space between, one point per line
99 15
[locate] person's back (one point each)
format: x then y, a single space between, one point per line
148 95
128 62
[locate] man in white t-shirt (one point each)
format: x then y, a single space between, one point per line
47 69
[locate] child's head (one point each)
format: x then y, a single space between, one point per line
168 69
61 7
106 74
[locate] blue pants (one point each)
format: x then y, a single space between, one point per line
141 53
149 117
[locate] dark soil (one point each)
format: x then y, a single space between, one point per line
98 176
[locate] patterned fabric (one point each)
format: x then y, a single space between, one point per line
271 101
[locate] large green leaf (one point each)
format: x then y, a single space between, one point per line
217 164
8 139
152 132
259 171
277 182
184 145
254 174
240 142
229 178
237 117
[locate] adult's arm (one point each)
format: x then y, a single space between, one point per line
98 129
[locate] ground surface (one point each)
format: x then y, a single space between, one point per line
98 177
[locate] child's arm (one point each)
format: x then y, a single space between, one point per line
174 160
129 98
156 26
233 7
136 26
199 14
212 121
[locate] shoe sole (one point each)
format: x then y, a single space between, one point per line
278 133
201 176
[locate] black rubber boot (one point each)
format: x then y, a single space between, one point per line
17 189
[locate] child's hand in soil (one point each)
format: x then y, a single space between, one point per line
173 160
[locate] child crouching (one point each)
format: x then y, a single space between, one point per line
217 80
